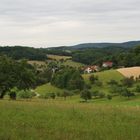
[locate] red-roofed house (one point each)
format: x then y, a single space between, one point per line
107 64
90 69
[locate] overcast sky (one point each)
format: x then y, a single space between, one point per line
48 23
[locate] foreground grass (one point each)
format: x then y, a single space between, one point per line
55 120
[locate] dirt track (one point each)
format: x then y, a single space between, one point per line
128 72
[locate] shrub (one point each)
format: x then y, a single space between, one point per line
65 94
109 97
128 82
137 88
87 86
95 93
126 93
98 83
25 94
115 89
112 82
58 94
93 79
101 95
86 95
44 96
52 95
77 91
12 95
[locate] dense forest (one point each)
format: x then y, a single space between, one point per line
18 52
119 56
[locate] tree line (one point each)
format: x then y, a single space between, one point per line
119 56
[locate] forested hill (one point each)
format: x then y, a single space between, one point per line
103 45
18 52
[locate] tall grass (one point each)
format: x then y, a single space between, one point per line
54 120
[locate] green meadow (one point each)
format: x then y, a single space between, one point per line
62 120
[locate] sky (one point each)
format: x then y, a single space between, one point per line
51 23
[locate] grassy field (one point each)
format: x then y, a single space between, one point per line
33 62
104 77
55 120
73 64
48 88
58 57
66 61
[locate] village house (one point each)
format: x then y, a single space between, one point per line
90 69
107 64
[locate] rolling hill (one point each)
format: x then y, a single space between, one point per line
128 44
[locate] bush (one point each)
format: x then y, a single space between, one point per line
101 95
126 93
52 95
137 88
95 93
12 95
115 89
25 94
98 83
44 96
86 95
112 82
58 94
109 97
77 92
128 82
65 94
87 86
93 79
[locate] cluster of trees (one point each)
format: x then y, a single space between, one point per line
21 76
15 74
18 52
127 87
96 55
119 56
68 78
123 87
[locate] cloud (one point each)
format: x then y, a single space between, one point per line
64 22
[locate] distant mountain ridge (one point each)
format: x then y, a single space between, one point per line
128 44
103 45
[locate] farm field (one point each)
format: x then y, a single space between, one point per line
72 64
33 62
58 57
128 72
62 120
